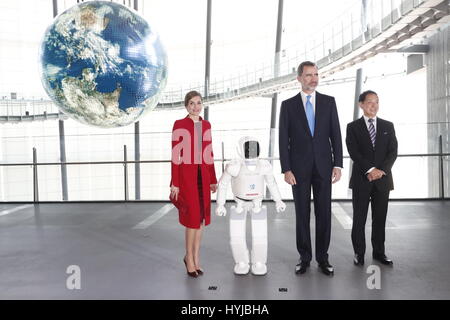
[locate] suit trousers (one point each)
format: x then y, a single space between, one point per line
322 209
379 204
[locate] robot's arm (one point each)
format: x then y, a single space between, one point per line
272 185
222 188
231 171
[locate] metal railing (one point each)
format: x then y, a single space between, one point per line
125 163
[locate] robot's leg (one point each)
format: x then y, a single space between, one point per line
240 205
259 242
238 241
257 203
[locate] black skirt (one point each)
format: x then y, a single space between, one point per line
200 194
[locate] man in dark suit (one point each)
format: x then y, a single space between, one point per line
372 145
311 156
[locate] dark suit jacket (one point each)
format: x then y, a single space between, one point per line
364 156
298 149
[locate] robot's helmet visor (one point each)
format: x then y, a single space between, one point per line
251 149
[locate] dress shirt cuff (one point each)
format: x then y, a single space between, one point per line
370 170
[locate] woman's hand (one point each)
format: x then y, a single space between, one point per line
213 188
174 191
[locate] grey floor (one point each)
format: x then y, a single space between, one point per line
134 251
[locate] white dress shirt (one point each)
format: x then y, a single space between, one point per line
366 120
313 102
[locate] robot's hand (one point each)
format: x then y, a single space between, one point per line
280 206
221 211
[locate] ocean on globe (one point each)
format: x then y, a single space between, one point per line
103 64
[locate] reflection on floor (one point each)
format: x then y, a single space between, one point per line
135 251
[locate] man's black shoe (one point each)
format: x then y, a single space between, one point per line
383 259
326 268
301 267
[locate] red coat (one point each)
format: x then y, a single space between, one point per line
185 171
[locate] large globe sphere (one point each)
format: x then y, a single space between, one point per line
102 64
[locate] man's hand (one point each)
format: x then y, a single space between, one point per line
336 175
213 188
375 174
290 178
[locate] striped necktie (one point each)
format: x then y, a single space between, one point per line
372 132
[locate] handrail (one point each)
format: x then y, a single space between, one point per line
223 160
411 155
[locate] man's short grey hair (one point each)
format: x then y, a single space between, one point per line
303 65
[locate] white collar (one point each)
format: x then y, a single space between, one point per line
304 95
366 119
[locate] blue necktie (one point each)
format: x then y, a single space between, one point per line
310 114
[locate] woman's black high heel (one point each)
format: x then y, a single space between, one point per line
193 274
200 272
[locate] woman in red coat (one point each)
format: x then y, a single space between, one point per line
193 177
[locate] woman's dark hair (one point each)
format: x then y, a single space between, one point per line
362 96
190 95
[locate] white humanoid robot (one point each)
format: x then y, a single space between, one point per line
247 175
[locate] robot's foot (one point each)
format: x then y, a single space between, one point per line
241 268
259 269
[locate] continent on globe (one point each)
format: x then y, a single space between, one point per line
102 64
89 19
